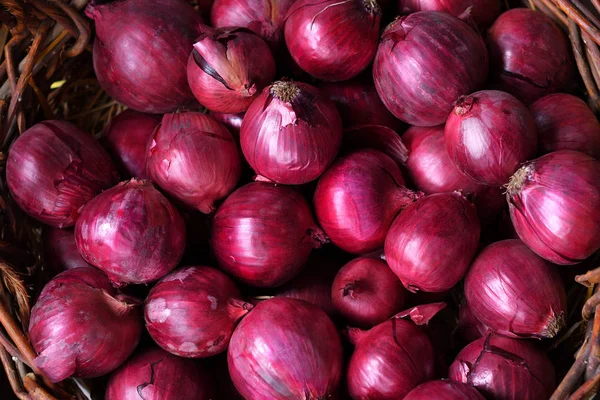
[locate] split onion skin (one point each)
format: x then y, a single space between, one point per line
444 390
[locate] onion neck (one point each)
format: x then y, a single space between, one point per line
355 335
318 237
516 182
403 197
352 288
120 304
554 325
464 105
372 6
237 308
285 91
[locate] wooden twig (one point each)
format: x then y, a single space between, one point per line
587 390
590 305
578 52
572 12
82 25
36 392
594 357
590 278
11 374
573 377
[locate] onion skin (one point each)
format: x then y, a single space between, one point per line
444 390
195 159
66 346
283 234
489 135
418 47
141 51
530 55
154 374
233 122
554 202
193 311
565 122
376 137
504 368
54 168
60 250
132 233
483 12
285 348
430 245
291 133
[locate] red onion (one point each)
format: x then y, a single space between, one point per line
195 159
291 133
554 202
432 242
193 311
483 12
54 168
565 122
141 51
504 368
357 199
154 374
81 327
469 327
233 122
529 54
60 250
228 69
488 135
366 292
126 138
444 390
376 137
425 61
283 233
132 233
285 349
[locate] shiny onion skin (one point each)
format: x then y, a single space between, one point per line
263 234
444 390
483 12
233 122
366 292
193 311
195 159
469 327
430 245
530 56
376 137
60 250
554 202
424 62
285 349
228 69
81 327
565 122
132 233
503 368
154 374
333 40
357 199
291 133
489 134
126 138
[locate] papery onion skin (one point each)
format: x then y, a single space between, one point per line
530 56
554 202
69 347
154 374
132 233
60 250
444 390
469 327
357 199
415 49
233 122
489 134
291 133
283 234
195 159
565 122
503 368
193 311
54 168
483 12
376 137
430 245
285 348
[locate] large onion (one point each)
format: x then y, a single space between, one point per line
483 12
444 390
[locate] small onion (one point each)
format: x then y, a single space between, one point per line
285 349
193 311
233 122
431 243
291 133
488 135
444 390
469 327
81 327
131 232
424 62
554 202
483 12
376 137
54 168
60 250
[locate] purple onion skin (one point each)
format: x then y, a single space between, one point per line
54 168
424 62
565 122
285 348
530 56
554 202
376 137
154 374
503 368
60 250
444 390
233 122
66 346
141 51
193 311
132 233
430 245
469 327
126 138
489 134
483 12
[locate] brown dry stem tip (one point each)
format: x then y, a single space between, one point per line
372 6
464 104
555 324
518 179
285 91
